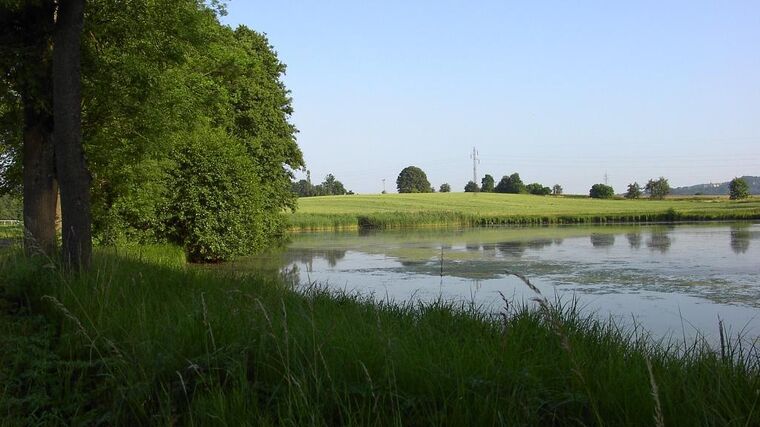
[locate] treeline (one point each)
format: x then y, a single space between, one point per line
185 122
511 184
329 187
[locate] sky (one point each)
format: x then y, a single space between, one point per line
561 92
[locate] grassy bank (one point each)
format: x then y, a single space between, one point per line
145 339
478 209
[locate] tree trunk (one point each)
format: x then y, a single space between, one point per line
40 187
73 177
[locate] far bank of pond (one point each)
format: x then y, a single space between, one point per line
391 211
675 280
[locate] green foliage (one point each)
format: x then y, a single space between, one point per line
151 72
601 191
657 189
214 204
487 184
557 190
538 189
445 188
738 189
510 184
10 207
412 180
471 187
634 191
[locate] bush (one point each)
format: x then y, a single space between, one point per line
214 210
510 184
445 188
471 187
412 180
538 189
738 189
601 191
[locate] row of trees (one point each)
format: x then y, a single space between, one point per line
185 124
511 184
329 187
413 180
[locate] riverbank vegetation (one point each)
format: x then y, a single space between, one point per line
479 209
144 338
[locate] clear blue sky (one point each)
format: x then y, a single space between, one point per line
560 92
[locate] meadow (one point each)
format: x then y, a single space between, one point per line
144 338
479 209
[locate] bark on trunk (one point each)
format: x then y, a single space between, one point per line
40 187
73 177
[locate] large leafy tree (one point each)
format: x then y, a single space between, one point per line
487 184
412 179
657 188
510 184
152 72
738 189
601 191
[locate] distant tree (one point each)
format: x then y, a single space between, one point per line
601 191
487 184
510 184
557 190
658 189
738 189
303 188
471 187
634 191
445 188
538 189
412 180
332 187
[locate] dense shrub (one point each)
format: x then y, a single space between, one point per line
487 184
471 187
601 191
445 188
510 184
538 189
214 208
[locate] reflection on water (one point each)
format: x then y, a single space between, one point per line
602 240
634 240
740 236
690 274
659 239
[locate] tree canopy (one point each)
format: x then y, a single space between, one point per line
471 187
160 80
487 184
510 184
412 180
601 191
658 189
634 191
738 189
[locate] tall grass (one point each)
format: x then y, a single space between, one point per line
145 339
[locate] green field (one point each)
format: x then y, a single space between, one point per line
471 209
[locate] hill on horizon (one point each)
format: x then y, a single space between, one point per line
717 189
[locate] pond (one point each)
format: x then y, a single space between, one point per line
674 280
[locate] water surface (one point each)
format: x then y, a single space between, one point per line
674 280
